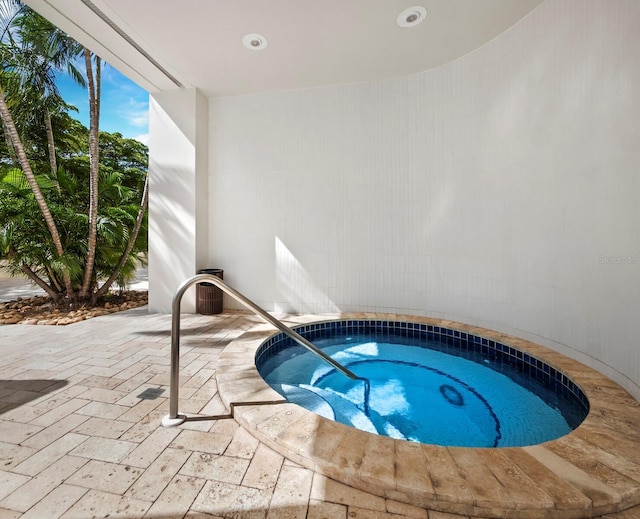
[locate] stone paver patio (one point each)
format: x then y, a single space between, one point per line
80 433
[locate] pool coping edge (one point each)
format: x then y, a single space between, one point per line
568 478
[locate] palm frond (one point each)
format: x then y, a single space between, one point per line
16 179
9 10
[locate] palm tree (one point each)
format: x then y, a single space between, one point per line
94 161
29 63
121 218
32 50
18 67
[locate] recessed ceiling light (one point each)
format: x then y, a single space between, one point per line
412 16
254 41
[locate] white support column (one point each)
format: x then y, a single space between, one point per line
178 169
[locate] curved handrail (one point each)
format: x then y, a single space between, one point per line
173 418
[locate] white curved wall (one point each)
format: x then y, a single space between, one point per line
500 189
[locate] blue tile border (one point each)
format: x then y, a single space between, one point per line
503 353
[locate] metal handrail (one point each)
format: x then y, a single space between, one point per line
173 418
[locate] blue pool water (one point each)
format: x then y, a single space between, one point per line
426 390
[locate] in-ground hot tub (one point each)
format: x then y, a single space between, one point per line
593 470
424 383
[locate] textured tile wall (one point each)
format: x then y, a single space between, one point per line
500 189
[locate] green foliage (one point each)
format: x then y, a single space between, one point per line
45 227
24 238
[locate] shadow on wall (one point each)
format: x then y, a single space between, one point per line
296 291
15 393
169 250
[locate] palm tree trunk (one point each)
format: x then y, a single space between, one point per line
10 128
33 276
98 86
36 279
51 146
132 240
93 178
53 279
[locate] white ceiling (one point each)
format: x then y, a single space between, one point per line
198 43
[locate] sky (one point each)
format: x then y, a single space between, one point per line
124 105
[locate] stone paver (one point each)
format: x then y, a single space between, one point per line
80 434
29 494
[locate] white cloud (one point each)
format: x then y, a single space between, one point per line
135 113
136 118
144 138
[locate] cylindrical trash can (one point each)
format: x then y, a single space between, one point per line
209 296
